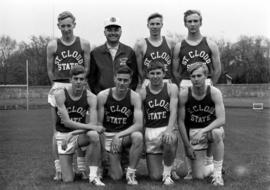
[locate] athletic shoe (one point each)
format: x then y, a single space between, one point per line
96 181
58 176
217 181
167 180
175 176
130 177
188 176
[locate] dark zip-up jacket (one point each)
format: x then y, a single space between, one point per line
102 67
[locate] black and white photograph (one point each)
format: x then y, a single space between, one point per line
145 94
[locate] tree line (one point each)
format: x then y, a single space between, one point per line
246 61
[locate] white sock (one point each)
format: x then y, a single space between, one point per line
167 170
81 164
57 165
130 170
208 160
93 172
217 167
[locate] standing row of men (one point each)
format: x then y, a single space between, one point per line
119 108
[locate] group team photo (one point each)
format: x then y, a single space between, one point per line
115 110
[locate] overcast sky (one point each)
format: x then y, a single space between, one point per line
226 19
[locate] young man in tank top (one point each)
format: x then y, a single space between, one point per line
195 48
160 110
154 47
62 54
72 131
119 111
201 120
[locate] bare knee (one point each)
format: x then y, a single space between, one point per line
217 135
94 136
137 138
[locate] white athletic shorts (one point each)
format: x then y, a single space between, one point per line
203 143
56 86
147 82
153 141
108 140
71 145
187 83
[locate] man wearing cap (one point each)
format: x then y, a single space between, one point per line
105 59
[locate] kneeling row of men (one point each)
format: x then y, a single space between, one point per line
119 118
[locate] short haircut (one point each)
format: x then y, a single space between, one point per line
155 15
195 66
190 12
123 69
64 15
155 64
76 70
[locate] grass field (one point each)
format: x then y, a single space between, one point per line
26 161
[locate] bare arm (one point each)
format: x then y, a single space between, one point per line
51 49
172 44
176 66
182 114
219 110
173 106
139 52
92 102
168 133
86 49
138 117
183 95
216 61
102 98
60 102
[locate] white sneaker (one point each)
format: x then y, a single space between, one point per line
217 181
96 181
131 179
167 180
188 176
58 176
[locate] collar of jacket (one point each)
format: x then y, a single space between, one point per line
106 50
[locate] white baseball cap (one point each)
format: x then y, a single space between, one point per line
112 21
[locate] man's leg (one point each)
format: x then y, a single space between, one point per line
57 165
81 164
91 141
154 152
66 167
134 156
218 154
169 153
115 169
198 165
154 166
